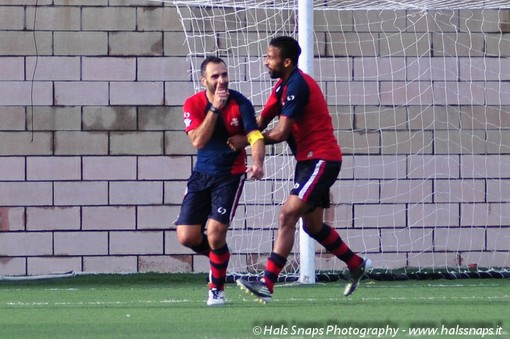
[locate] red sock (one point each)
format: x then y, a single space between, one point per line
275 264
330 239
218 260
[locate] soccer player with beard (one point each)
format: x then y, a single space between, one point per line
216 182
304 122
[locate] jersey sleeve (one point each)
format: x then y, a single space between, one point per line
192 114
248 116
297 97
273 106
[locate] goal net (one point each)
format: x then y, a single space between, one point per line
419 92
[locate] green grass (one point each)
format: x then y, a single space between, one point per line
173 306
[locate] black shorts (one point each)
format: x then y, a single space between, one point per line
313 179
209 196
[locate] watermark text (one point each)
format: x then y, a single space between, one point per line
389 330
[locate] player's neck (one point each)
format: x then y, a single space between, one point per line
288 72
209 96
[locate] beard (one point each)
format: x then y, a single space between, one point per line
274 74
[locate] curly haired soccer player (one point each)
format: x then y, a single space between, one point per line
304 122
213 189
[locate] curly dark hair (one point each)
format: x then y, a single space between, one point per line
288 46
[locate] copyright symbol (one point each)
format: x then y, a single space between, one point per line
257 330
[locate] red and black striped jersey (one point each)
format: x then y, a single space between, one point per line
301 99
237 117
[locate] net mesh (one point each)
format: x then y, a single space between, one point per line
419 93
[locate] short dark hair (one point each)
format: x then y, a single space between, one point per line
288 46
209 59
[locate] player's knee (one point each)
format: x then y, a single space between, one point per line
217 237
287 219
306 229
217 243
188 239
311 229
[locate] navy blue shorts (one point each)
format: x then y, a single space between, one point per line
209 196
313 179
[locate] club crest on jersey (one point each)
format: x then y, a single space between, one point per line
234 122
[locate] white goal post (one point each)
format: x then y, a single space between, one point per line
419 92
305 36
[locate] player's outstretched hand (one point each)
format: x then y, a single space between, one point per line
237 142
255 172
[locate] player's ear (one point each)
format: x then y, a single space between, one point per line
202 80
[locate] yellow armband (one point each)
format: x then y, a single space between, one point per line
254 136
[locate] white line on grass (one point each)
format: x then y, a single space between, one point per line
95 303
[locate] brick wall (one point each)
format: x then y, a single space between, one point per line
93 160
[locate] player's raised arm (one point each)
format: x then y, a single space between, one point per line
202 134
